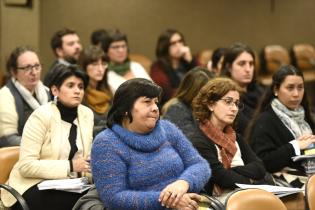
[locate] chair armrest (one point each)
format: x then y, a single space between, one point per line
17 195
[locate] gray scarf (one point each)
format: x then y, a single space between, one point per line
294 120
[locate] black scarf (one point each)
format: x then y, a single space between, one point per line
69 115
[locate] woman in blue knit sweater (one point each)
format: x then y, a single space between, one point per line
141 162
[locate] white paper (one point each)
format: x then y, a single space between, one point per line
77 185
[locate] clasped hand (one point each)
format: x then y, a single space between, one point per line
175 196
81 164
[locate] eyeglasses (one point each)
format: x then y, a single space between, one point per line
116 47
29 68
229 101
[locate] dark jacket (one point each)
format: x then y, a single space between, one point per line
270 140
250 99
227 178
253 168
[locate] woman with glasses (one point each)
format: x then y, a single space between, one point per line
283 126
174 59
23 93
230 158
97 96
239 65
120 68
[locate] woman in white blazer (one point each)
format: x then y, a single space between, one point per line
55 144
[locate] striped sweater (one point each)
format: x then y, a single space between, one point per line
130 169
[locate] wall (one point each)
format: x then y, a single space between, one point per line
19 26
205 23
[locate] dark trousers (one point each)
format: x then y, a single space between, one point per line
48 199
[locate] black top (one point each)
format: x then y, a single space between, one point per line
227 178
250 99
69 115
270 140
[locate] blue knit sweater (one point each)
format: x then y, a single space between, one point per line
130 169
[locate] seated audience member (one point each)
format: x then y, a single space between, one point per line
22 94
98 36
238 64
231 159
141 162
203 58
283 127
178 109
174 59
120 68
66 46
217 60
56 144
97 96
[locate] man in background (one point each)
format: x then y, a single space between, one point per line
66 46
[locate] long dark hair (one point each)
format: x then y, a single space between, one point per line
231 55
164 43
277 79
163 57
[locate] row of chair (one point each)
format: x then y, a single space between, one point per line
250 199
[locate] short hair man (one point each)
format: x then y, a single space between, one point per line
66 46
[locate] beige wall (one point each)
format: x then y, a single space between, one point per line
19 26
205 23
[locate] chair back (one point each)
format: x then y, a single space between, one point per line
8 157
143 60
303 56
253 199
310 193
275 56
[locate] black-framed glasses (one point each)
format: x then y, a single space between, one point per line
29 68
230 102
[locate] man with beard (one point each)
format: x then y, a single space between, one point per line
66 46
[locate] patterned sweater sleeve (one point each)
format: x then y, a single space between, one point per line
197 171
110 175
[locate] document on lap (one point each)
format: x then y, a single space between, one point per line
77 185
